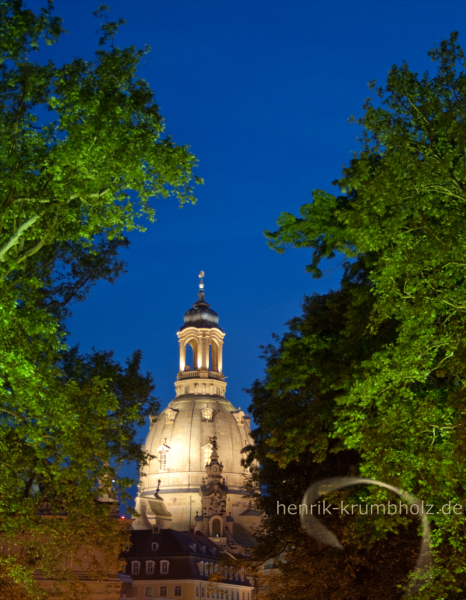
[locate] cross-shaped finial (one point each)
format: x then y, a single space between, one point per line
201 277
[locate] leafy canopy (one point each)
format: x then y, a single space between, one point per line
82 157
397 399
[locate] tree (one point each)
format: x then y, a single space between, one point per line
294 408
401 213
81 157
69 179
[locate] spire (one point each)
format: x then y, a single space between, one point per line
214 468
201 300
201 368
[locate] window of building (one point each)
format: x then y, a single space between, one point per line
164 567
207 454
197 591
186 389
203 592
243 596
216 528
236 577
201 568
134 592
135 568
226 595
237 595
218 391
177 590
150 567
155 546
163 460
149 592
163 591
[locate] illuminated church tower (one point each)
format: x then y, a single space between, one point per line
196 441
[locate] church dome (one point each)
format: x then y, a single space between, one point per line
180 439
201 315
180 443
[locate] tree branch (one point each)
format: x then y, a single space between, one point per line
14 239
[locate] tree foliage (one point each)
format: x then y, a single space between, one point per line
386 372
82 157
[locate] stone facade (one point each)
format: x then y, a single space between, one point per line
180 438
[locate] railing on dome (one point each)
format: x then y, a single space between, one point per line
193 374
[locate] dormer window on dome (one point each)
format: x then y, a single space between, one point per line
207 414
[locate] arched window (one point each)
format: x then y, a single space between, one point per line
206 454
149 591
191 360
177 590
163 591
213 356
162 460
216 528
164 567
150 567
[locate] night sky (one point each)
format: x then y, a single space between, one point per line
261 91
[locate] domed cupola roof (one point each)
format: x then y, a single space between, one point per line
201 315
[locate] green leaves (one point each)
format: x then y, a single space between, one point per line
102 142
83 156
382 371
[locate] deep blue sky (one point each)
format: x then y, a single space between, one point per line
262 92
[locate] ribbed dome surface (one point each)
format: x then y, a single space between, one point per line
201 315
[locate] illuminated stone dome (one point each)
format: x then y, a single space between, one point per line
183 436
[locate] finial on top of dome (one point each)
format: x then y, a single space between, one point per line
201 277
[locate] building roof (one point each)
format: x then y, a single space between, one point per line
201 315
251 512
182 549
241 536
